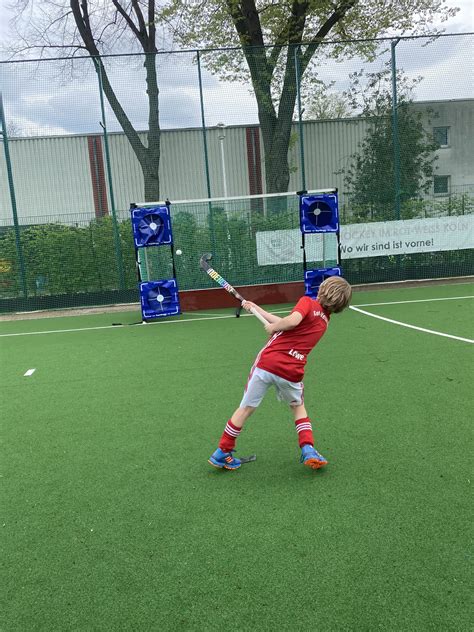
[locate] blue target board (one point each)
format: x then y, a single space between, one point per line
151 226
314 278
319 213
159 298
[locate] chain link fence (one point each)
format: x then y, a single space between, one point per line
84 138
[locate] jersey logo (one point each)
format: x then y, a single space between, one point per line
321 315
295 354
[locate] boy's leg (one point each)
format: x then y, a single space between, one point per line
222 457
233 428
303 425
256 388
309 456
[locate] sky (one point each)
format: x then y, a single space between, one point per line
42 99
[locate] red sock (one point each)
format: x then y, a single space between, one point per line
229 436
305 431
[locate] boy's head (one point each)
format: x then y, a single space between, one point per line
334 294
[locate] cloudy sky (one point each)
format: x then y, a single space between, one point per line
43 99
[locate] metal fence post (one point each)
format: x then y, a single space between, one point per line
118 247
396 142
11 186
203 126
206 154
300 115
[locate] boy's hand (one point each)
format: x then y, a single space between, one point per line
248 305
271 328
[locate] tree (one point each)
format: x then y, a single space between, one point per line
327 105
372 176
13 130
275 37
97 27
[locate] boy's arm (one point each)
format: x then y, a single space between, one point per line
284 324
270 317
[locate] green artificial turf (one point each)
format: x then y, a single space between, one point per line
111 518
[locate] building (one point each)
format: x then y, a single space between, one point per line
63 178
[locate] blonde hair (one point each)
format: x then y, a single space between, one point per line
335 294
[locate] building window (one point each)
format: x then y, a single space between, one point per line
441 185
440 135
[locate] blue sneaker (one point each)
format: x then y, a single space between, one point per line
224 460
311 457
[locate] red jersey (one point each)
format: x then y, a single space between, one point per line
286 352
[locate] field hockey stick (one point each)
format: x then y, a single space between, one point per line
247 459
204 263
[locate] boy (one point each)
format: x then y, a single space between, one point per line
281 363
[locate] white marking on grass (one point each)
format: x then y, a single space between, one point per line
226 316
420 300
64 331
397 322
29 372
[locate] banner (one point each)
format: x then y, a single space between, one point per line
284 246
407 236
375 239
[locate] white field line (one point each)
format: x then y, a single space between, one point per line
226 316
29 372
161 322
397 322
420 300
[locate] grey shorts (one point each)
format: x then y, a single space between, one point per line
260 381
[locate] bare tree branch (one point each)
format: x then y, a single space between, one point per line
140 18
128 20
338 14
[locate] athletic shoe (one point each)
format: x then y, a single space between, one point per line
224 460
311 457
